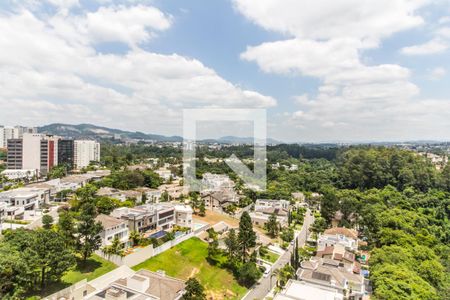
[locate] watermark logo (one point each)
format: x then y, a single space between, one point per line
256 179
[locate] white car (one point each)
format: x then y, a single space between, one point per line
266 272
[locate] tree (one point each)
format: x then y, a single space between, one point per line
116 248
194 290
246 236
202 209
248 274
165 196
66 227
272 225
213 246
49 255
287 235
15 274
232 244
135 237
318 226
88 230
105 205
47 221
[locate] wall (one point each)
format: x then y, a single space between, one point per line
142 254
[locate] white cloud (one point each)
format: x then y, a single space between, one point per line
126 24
437 73
356 100
325 19
431 47
51 72
64 3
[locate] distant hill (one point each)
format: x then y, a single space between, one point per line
98 132
243 140
90 131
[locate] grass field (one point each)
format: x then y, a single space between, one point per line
188 259
93 268
270 256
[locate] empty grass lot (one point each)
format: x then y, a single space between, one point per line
94 267
188 259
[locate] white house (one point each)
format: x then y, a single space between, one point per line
183 215
264 204
338 236
300 290
113 227
13 174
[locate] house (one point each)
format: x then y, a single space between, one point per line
216 182
20 174
165 174
155 216
26 198
138 219
339 254
299 197
260 219
264 208
125 284
152 195
216 200
120 195
301 290
338 236
270 206
329 274
174 190
183 215
112 228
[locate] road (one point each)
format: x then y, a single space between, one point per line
261 289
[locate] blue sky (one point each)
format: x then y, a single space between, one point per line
351 70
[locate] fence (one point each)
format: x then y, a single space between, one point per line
142 254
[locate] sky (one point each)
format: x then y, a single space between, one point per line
324 70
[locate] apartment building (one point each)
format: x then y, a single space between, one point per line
16 132
33 151
85 151
66 152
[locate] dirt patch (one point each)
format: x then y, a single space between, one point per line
194 272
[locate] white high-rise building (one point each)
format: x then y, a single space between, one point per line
7 133
85 151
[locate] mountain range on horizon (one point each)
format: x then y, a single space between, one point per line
99 132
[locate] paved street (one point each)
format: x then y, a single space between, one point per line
264 286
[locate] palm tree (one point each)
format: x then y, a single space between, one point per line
135 237
275 273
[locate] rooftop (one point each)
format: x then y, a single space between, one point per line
350 233
108 221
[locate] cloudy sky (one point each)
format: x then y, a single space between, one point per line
325 70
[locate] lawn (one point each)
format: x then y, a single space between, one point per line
188 259
94 267
270 256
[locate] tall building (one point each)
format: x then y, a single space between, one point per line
66 152
16 132
33 152
14 156
85 152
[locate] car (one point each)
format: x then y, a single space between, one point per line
266 272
